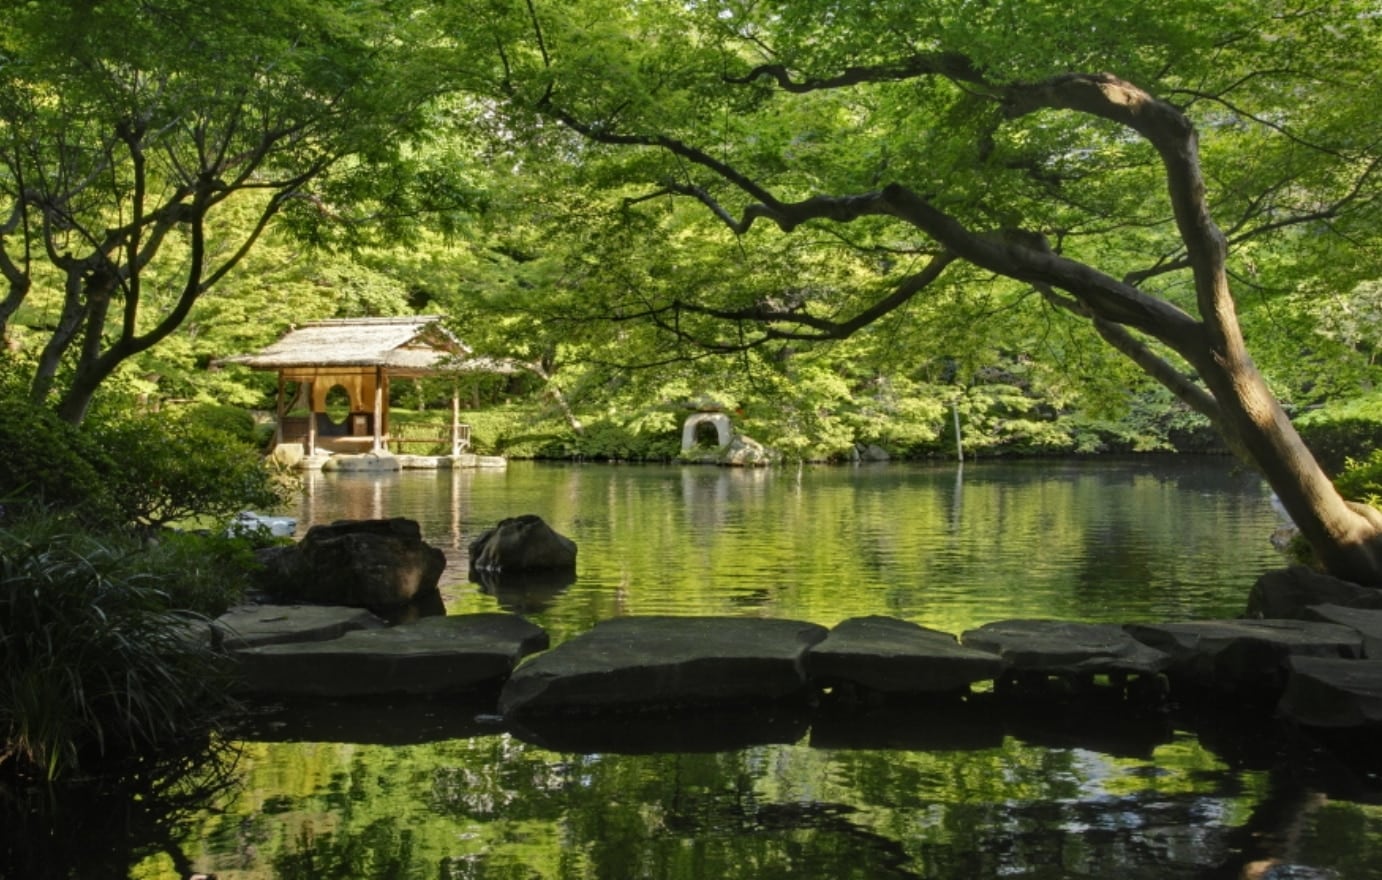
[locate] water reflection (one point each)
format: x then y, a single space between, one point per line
964 789
527 592
943 547
973 802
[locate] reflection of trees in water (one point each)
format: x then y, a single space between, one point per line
100 827
997 796
379 851
1075 798
713 497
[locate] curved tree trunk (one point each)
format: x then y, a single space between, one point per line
1346 537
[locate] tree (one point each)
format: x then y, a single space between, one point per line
971 140
128 131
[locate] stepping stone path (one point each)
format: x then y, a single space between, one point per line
1325 671
1244 657
632 663
1062 648
1330 692
248 626
1366 621
436 655
1046 658
884 655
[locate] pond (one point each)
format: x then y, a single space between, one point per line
430 790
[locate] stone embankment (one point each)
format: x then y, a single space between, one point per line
1309 650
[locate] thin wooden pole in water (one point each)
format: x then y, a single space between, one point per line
959 441
455 418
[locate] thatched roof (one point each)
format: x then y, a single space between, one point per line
418 344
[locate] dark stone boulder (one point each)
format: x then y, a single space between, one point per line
522 543
883 655
644 663
1330 692
377 563
1247 659
1286 593
437 655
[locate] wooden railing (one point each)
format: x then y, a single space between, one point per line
433 439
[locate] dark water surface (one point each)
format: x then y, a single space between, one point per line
430 790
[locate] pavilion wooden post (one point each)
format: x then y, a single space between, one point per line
378 408
385 428
278 409
311 387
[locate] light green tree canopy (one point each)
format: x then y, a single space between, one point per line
1131 165
128 130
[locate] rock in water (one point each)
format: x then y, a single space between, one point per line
373 563
522 543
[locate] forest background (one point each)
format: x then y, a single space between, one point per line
548 250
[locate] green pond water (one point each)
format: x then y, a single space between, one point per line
442 790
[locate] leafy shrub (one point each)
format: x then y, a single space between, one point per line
1335 440
52 463
95 664
1362 480
232 421
607 440
204 572
173 468
141 470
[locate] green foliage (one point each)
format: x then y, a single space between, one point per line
1361 479
193 464
204 572
1343 430
232 422
609 440
171 467
95 662
51 463
167 178
380 852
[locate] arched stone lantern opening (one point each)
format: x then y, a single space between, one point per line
699 425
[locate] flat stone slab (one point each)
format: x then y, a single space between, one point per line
639 663
1244 656
1330 692
435 655
1366 621
890 656
1057 647
247 626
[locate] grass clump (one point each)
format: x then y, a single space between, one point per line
97 662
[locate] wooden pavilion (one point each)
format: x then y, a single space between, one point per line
361 356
